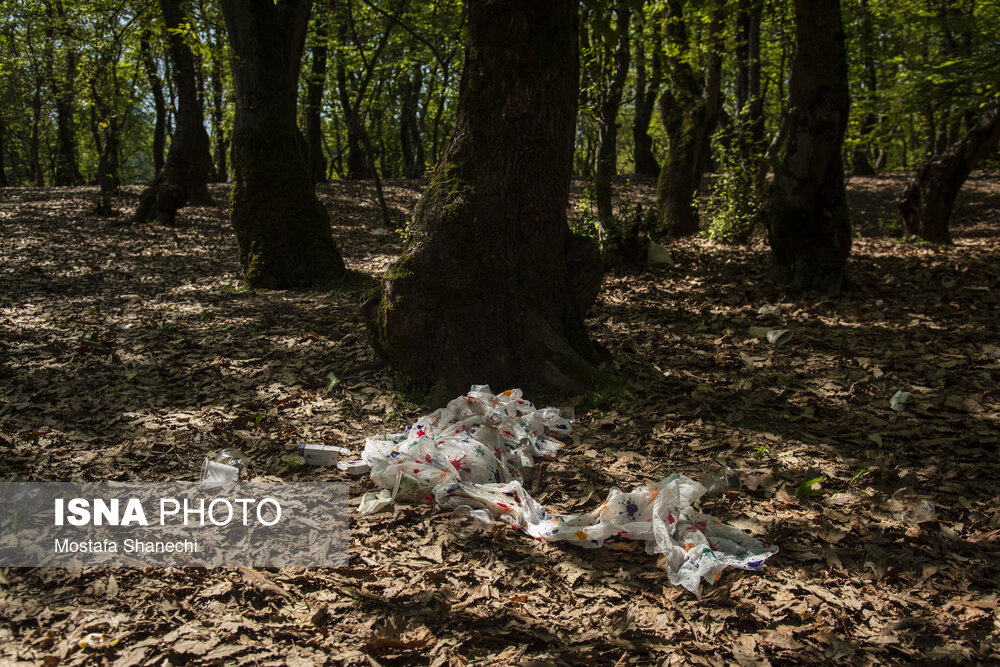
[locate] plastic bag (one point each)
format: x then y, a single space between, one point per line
477 450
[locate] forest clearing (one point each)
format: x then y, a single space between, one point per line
132 352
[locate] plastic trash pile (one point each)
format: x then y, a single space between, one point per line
478 451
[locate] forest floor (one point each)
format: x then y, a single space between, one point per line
131 352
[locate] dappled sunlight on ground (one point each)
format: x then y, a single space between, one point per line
131 352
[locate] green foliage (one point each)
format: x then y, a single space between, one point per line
891 225
918 72
736 201
610 395
625 235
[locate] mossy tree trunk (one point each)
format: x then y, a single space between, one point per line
482 293
927 203
689 109
809 227
282 228
185 174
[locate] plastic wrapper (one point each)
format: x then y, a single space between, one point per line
477 450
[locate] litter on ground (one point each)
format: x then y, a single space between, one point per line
479 450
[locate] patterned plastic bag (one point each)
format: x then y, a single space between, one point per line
477 450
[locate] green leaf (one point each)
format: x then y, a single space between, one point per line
806 488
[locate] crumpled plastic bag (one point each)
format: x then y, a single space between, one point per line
479 449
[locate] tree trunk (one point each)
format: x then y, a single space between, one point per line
355 154
482 292
282 229
807 218
63 85
927 203
314 103
3 169
186 171
218 128
749 95
437 140
860 164
107 168
689 110
609 102
159 105
410 142
34 157
646 90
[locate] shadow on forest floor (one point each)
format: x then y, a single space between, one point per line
130 352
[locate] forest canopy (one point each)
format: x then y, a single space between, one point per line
380 80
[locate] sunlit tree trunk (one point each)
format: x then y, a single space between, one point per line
807 217
282 229
609 103
185 175
482 292
690 111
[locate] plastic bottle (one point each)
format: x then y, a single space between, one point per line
321 455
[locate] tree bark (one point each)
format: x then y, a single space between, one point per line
3 169
410 142
314 103
482 292
107 167
218 127
159 105
749 94
282 229
356 162
860 163
34 149
927 203
63 85
185 173
690 111
807 218
647 87
609 102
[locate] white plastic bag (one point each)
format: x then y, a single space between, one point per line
477 449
